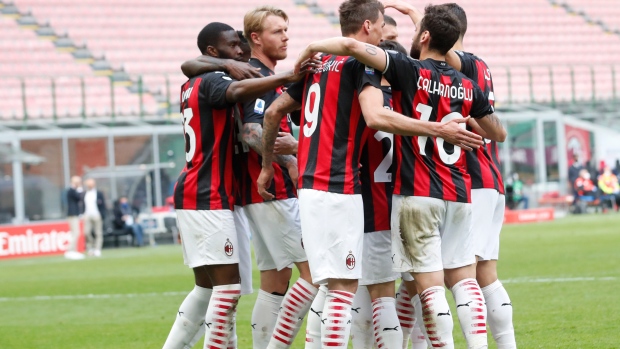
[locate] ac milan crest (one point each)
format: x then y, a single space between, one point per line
228 248
350 261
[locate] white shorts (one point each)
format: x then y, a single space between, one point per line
332 226
377 257
430 235
245 254
277 233
406 276
487 217
208 237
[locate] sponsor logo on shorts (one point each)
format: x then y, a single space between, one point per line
228 248
302 243
350 261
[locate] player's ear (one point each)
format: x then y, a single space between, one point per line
212 51
425 37
255 39
366 26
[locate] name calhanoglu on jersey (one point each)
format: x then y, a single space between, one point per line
437 88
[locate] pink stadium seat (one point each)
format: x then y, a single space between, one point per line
151 38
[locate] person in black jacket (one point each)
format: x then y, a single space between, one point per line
124 219
74 208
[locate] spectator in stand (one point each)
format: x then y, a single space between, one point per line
585 189
610 189
124 219
74 203
617 168
518 195
94 214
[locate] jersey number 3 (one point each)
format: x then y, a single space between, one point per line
190 135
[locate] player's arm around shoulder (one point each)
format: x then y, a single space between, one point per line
489 127
367 54
205 64
379 118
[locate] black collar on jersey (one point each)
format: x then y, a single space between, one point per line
263 68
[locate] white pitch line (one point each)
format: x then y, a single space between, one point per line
182 293
91 296
554 280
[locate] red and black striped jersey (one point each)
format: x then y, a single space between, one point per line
248 163
376 175
483 164
332 127
206 182
432 91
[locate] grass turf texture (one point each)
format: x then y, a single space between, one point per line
547 314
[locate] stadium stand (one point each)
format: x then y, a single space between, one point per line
535 49
605 13
27 66
152 38
530 36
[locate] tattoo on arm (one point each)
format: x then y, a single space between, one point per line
371 50
271 124
253 137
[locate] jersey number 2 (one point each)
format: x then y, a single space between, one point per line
381 174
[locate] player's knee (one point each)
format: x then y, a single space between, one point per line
486 273
426 280
201 277
224 274
453 276
386 289
348 285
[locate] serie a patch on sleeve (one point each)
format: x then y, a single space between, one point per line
259 106
369 70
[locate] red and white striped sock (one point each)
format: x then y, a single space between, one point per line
232 337
471 311
220 315
313 326
437 317
419 339
336 320
294 308
385 323
405 312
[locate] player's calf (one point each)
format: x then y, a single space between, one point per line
362 334
220 313
315 319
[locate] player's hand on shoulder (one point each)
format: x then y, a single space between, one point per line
285 144
242 70
264 182
455 132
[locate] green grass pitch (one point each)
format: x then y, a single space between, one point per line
563 278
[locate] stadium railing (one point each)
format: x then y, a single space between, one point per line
56 97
